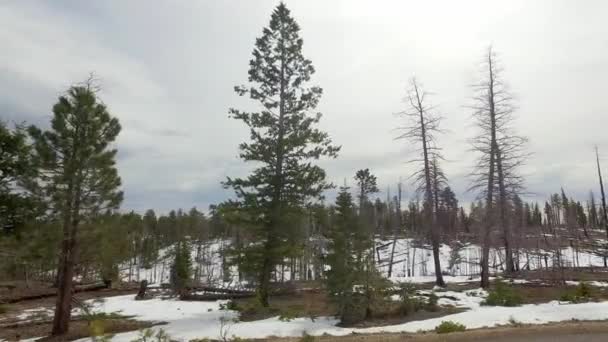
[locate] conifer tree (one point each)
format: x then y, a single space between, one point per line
181 269
78 176
283 145
16 205
343 271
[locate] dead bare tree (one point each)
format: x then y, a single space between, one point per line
422 127
397 228
501 153
599 175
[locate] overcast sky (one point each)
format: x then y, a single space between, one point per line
168 69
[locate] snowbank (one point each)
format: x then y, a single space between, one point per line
189 320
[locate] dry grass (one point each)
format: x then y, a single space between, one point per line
523 333
78 329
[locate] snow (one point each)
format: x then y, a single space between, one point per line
189 320
591 283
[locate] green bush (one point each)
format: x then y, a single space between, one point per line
502 295
408 302
291 313
582 293
431 304
448 327
3 309
307 338
147 335
230 305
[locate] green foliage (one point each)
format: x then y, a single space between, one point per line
181 269
306 338
410 303
502 295
3 308
283 146
75 159
448 327
230 305
582 293
148 335
343 266
431 304
17 206
290 313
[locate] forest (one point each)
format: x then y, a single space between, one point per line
288 243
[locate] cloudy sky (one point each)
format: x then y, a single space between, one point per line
168 69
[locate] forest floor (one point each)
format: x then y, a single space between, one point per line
575 331
32 317
309 310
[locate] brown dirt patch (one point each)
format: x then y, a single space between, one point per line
78 329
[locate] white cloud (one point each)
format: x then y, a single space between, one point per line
168 71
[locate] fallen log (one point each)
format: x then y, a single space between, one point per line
52 293
215 296
219 290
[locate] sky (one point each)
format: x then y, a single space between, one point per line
168 68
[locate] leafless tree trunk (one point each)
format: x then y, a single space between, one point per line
501 153
396 231
599 175
421 129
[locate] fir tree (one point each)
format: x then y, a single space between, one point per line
78 175
283 145
341 277
181 269
16 205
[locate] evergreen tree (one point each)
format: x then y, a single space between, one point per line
78 175
181 269
16 205
342 237
283 144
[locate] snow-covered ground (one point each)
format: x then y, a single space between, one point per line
412 262
188 320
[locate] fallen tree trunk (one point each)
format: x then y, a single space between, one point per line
52 293
215 296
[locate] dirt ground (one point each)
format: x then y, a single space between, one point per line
12 327
556 332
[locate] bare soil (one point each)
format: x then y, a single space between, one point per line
555 332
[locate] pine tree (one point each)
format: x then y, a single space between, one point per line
16 205
283 145
78 175
181 269
342 237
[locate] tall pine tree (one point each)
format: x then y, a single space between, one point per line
78 175
344 266
283 145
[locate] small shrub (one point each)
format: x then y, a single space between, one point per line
307 338
583 290
147 335
289 314
448 326
230 305
431 304
3 309
502 295
409 303
514 322
582 293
